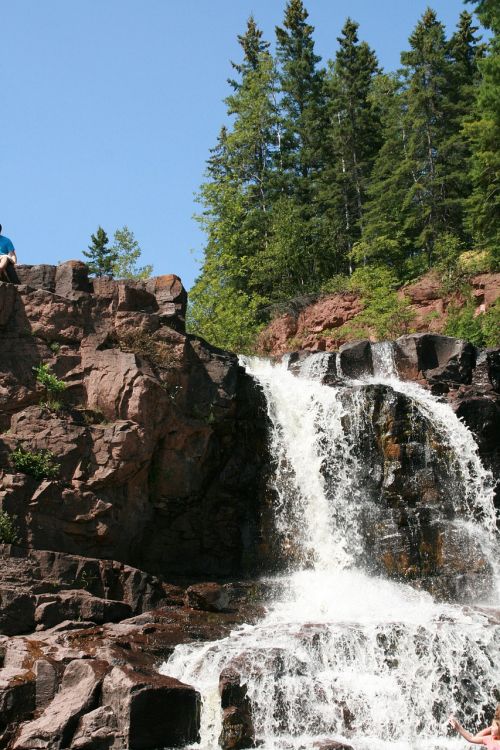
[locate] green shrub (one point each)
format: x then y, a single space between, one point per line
52 404
490 323
54 346
480 330
39 464
337 284
9 533
50 382
385 311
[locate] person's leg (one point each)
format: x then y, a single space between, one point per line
4 260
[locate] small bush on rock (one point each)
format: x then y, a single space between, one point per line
53 387
481 330
9 533
38 464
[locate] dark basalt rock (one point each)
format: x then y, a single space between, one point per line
356 359
40 276
438 359
303 363
151 710
237 724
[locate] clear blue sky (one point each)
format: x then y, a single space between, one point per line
109 108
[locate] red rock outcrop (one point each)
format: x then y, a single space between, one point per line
151 432
315 327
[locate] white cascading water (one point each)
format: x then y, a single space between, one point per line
341 654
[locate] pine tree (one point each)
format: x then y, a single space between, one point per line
237 200
429 111
128 252
484 133
301 87
464 52
353 137
384 240
101 257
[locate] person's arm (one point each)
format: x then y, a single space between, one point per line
477 739
484 732
13 256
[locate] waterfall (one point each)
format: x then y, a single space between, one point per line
343 653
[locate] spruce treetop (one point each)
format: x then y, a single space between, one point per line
101 257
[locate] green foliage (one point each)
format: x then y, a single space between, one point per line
385 312
50 382
463 324
227 317
353 137
336 284
53 387
55 347
484 133
102 258
322 172
490 323
481 330
127 252
9 532
453 276
38 464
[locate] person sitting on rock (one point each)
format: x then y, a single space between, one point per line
490 736
7 256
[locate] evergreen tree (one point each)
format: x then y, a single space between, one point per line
128 252
353 137
464 51
301 88
484 132
429 111
237 200
384 240
102 258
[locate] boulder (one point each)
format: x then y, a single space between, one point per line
17 610
151 710
356 359
134 298
72 280
55 727
8 303
435 358
40 276
493 360
171 298
47 682
237 729
96 730
17 696
74 605
237 723
210 597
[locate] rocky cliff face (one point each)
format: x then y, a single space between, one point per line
150 459
156 430
156 485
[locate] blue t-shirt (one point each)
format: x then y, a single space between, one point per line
6 245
